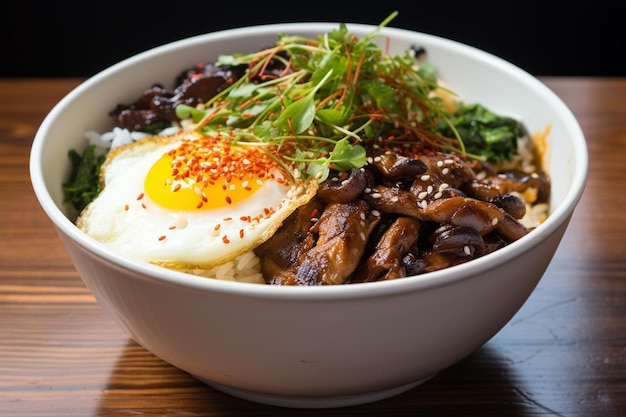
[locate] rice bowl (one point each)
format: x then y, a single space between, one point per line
288 346
330 172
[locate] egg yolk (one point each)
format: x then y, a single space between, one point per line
208 173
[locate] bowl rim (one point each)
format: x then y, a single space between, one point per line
432 279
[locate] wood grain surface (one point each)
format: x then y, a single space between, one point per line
563 354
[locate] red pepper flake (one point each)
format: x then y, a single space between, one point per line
225 239
126 207
162 238
241 233
172 227
217 227
212 160
229 200
143 206
140 196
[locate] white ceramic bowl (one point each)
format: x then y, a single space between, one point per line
326 346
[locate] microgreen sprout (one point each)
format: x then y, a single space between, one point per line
335 95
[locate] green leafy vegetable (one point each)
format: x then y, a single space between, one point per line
486 135
83 185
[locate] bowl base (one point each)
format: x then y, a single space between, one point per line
313 402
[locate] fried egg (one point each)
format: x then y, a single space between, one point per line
190 202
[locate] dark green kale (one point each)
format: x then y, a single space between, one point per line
83 185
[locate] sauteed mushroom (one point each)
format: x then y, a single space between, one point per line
343 188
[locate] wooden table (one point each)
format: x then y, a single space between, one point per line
563 354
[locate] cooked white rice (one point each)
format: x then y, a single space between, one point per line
244 268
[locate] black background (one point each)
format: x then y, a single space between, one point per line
51 39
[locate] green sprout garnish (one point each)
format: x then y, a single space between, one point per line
337 93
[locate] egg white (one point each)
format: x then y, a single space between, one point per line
124 218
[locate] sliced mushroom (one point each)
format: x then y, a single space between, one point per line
450 168
460 239
510 203
386 261
511 229
396 167
502 184
344 187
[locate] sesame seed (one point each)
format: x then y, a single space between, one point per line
425 177
376 195
422 195
467 250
